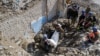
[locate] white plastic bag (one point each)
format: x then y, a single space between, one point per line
54 39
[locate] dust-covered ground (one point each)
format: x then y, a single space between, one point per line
16 27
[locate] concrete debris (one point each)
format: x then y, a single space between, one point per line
70 43
8 51
61 49
11 44
17 5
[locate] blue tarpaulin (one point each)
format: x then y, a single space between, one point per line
37 24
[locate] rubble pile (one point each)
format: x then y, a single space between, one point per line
12 51
69 45
8 48
14 8
16 5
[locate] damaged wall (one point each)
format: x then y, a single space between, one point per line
49 8
52 11
53 8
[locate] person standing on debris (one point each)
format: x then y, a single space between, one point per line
72 13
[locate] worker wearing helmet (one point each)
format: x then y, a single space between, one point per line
86 19
93 36
90 21
58 27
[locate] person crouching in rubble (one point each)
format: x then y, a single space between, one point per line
58 27
51 42
48 44
87 19
92 36
90 21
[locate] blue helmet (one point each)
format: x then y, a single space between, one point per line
45 36
94 29
83 12
90 14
